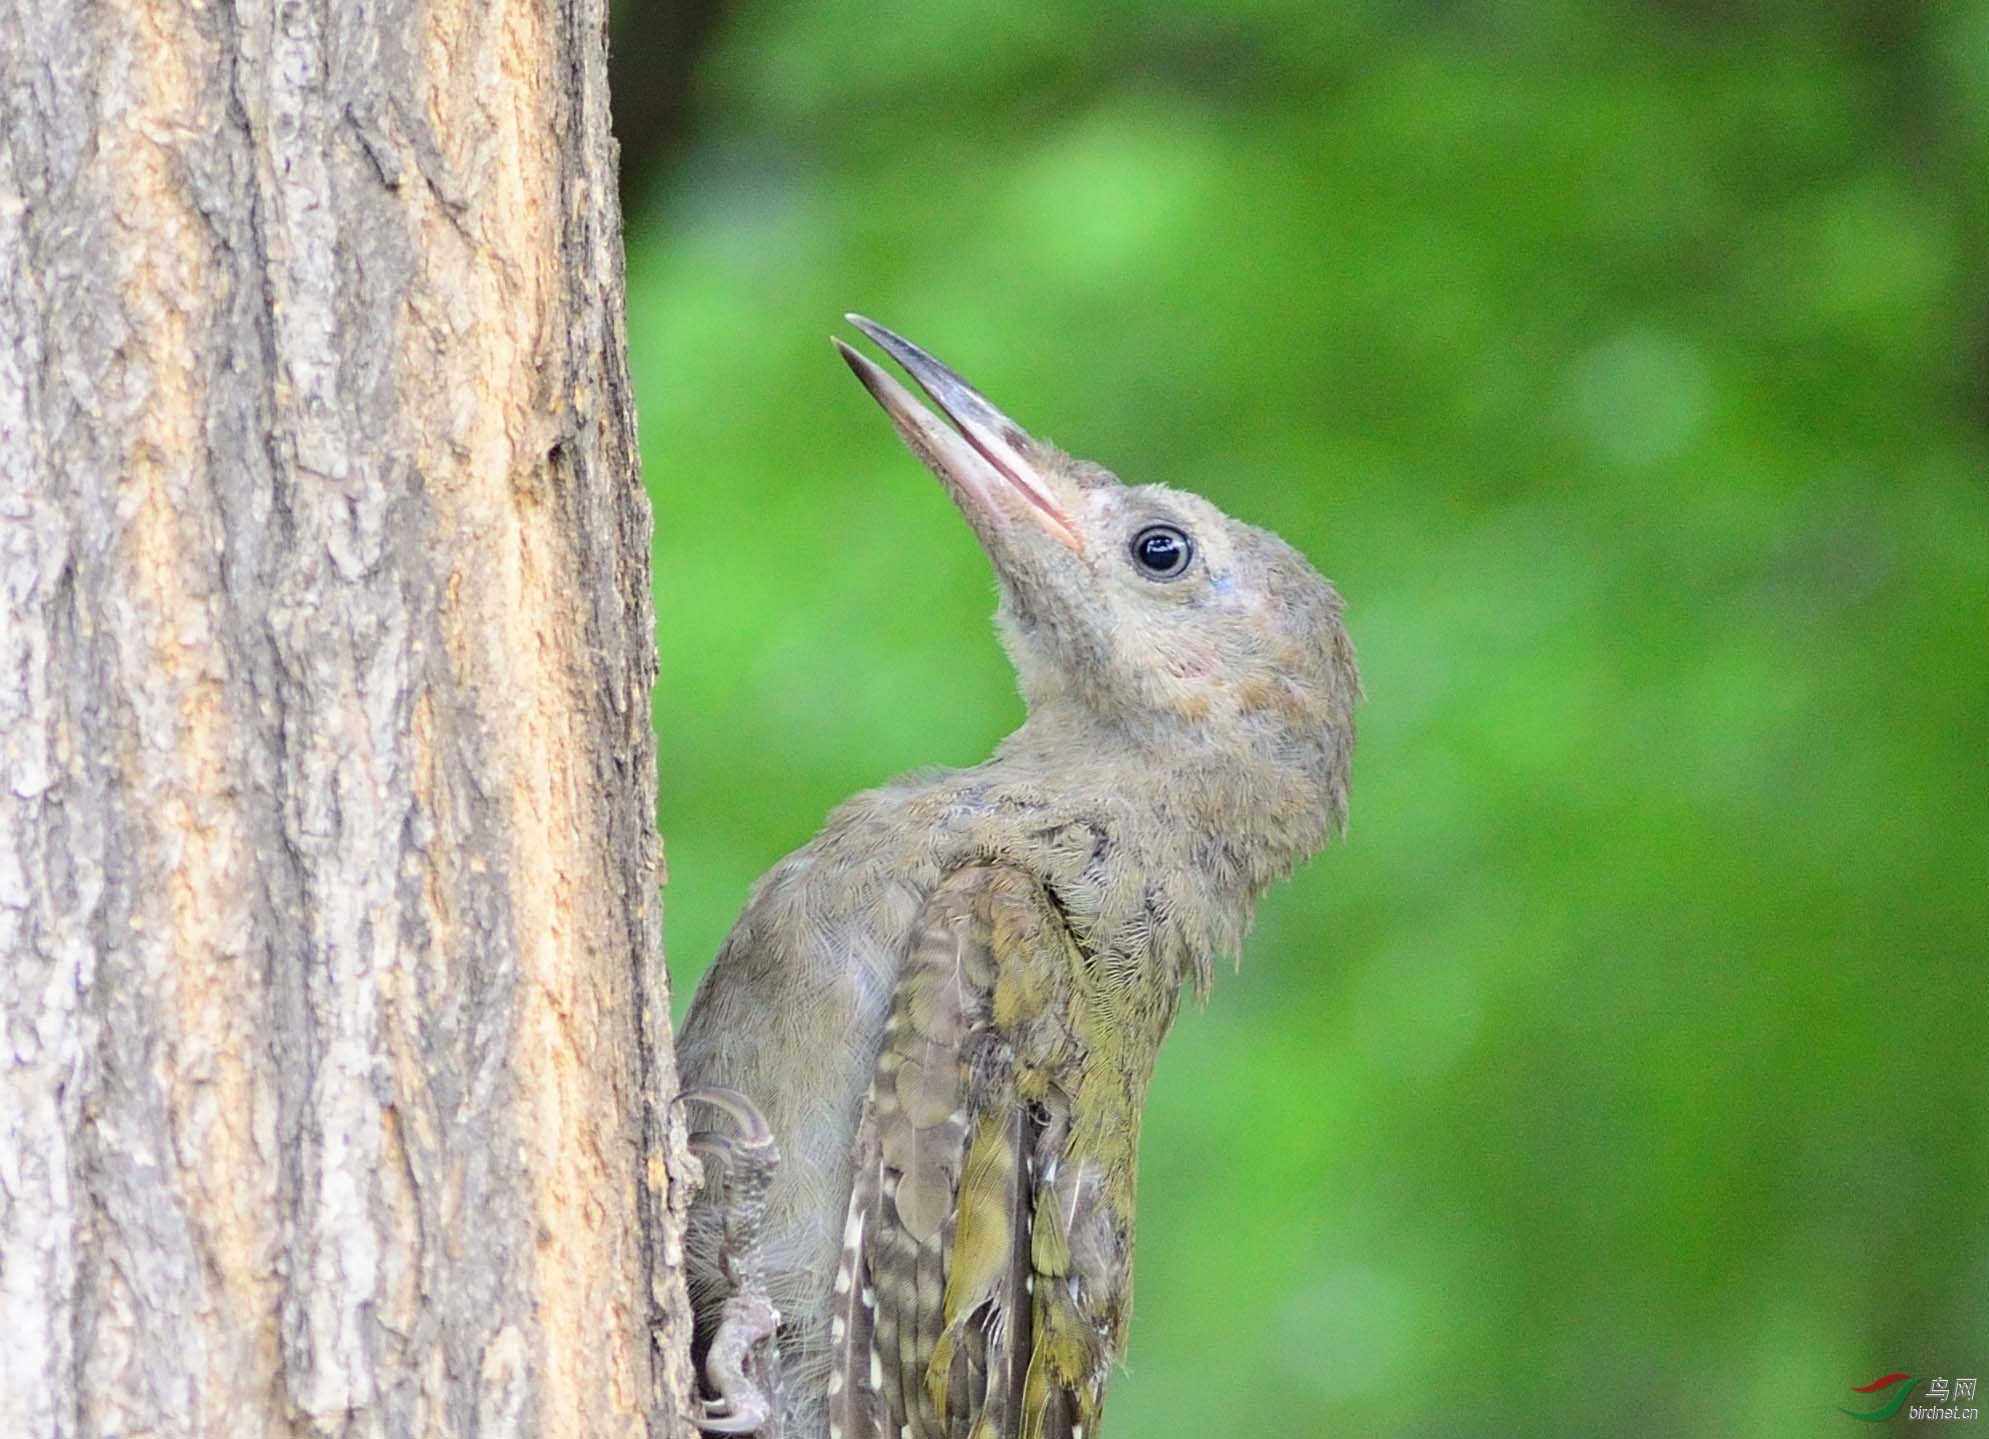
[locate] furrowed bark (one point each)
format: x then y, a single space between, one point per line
334 1037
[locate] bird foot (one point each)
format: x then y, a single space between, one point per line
742 1361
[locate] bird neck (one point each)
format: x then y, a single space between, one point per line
1209 822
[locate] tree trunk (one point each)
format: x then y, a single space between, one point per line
334 1040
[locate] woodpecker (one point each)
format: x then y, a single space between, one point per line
941 1014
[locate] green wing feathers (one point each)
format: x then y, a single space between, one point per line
983 1287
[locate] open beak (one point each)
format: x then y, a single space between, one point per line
982 456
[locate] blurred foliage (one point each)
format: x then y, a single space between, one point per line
1627 365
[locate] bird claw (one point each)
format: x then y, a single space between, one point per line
736 1106
742 1360
710 1421
741 1405
751 1154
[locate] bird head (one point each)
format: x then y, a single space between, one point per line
1139 609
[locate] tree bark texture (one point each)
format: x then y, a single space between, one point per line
334 1040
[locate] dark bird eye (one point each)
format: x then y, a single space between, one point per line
1162 551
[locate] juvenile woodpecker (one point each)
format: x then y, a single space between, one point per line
946 1006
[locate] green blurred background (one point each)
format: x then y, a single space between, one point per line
1627 365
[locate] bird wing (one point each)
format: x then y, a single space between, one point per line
984 1281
